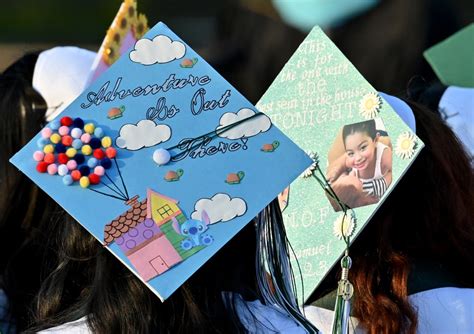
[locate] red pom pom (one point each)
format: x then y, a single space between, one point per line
111 152
66 140
62 158
67 121
49 158
76 175
42 167
99 154
94 178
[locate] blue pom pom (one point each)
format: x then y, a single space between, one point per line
67 180
95 143
55 125
78 123
42 142
92 162
106 163
99 133
79 158
77 143
85 170
60 148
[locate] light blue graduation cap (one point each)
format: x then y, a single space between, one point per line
162 160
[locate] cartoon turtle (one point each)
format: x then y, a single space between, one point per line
270 147
171 175
115 113
234 178
188 63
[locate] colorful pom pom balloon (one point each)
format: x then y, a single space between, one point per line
49 158
66 121
52 169
38 156
71 152
106 163
77 143
55 138
86 138
86 150
111 152
79 158
106 142
89 128
46 133
63 130
99 170
78 123
63 170
48 148
76 175
67 180
42 167
94 179
84 182
76 133
55 124
71 164
99 132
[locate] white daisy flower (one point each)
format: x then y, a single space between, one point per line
405 146
344 226
308 172
370 105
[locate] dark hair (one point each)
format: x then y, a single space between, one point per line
367 127
25 211
88 281
424 227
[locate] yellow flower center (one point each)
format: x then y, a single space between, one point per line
405 144
369 104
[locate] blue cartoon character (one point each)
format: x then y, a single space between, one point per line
194 230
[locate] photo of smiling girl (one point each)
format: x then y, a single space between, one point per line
362 171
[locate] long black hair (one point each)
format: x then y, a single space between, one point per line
25 211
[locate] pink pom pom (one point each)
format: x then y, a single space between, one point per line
63 130
52 169
71 164
38 156
46 133
99 170
86 138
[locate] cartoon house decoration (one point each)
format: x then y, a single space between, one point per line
146 235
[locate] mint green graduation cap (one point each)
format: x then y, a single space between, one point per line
453 59
317 94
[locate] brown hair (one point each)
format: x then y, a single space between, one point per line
426 218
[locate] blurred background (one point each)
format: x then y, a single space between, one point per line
249 41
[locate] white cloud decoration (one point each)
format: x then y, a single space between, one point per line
220 208
248 128
160 50
143 134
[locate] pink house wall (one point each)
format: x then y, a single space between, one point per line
154 258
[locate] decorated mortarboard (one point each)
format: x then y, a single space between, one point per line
162 160
127 27
79 67
325 105
453 59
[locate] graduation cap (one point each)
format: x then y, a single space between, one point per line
453 59
79 67
162 160
354 137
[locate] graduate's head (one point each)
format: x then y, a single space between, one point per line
359 143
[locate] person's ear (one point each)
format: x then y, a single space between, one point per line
377 136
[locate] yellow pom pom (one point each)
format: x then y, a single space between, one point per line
71 152
84 182
89 128
55 138
87 150
106 142
48 148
